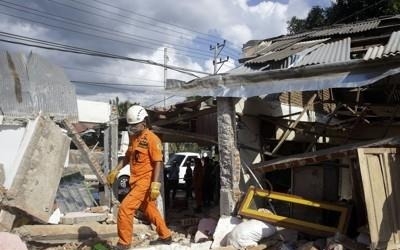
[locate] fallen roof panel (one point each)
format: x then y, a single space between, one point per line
30 85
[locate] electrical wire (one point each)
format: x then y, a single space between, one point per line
108 74
83 51
166 98
132 12
93 27
102 37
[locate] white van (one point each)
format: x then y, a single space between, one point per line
183 159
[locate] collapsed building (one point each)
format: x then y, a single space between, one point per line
313 115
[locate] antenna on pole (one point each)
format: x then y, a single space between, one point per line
217 50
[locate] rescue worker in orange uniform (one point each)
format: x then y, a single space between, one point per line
145 157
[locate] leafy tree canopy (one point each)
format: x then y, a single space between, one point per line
343 11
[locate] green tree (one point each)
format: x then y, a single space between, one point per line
315 18
123 106
296 25
343 11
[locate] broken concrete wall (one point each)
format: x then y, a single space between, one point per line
38 167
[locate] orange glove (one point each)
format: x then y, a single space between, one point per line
154 190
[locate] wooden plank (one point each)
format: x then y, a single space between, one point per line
378 167
81 145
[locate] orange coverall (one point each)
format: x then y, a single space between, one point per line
142 152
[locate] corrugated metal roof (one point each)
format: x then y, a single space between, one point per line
277 45
72 194
31 84
374 52
282 54
393 46
330 53
347 29
390 49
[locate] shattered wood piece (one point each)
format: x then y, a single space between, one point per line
294 124
77 139
60 234
81 217
348 243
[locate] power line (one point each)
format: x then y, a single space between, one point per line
108 74
77 50
204 56
154 19
114 86
135 37
166 98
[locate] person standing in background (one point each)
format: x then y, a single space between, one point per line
173 179
188 177
198 180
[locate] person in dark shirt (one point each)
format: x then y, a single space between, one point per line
173 178
188 181
198 180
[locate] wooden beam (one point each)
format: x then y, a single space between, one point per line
325 125
86 152
294 124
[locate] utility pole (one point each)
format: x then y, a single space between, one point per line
217 50
161 205
166 151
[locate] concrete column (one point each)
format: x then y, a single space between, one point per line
229 157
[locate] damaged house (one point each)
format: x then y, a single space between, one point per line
314 117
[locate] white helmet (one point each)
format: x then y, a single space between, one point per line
135 114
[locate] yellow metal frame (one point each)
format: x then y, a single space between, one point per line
288 222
